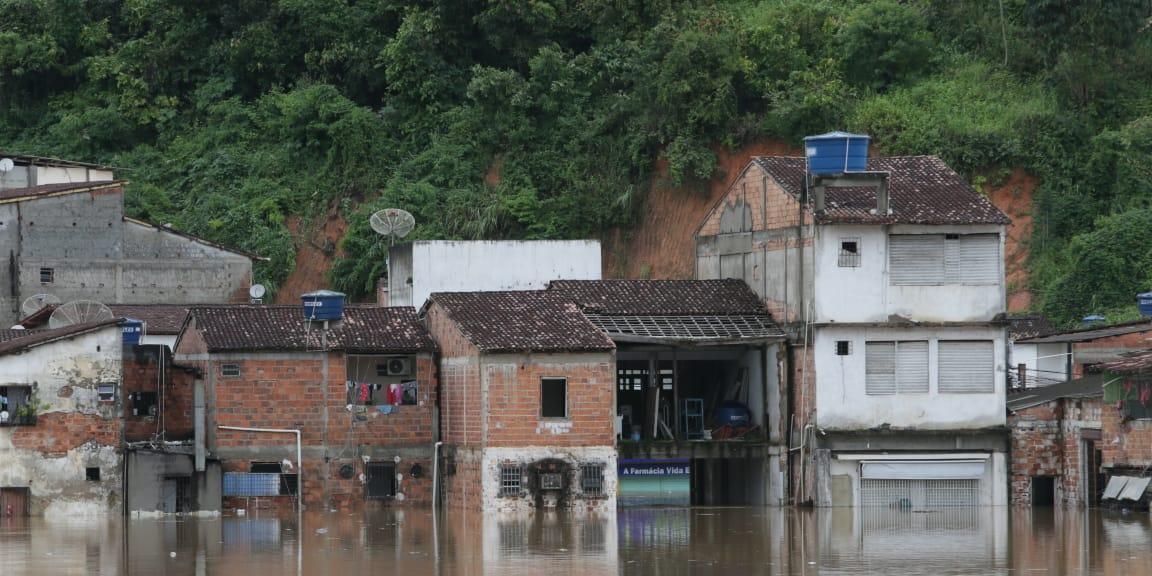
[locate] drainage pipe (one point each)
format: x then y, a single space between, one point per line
435 474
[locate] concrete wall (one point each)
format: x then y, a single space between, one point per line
147 470
74 430
872 298
24 175
757 233
97 255
1044 363
841 401
462 266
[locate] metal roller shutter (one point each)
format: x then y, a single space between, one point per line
912 367
979 258
966 366
916 259
880 368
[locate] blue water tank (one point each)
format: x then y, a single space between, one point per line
323 305
1093 320
837 153
132 330
1144 303
732 414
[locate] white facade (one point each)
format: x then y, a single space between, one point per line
1043 363
495 458
867 293
65 377
420 268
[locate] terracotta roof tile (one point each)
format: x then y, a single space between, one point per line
159 319
1020 327
364 329
661 297
921 189
1139 363
522 321
31 338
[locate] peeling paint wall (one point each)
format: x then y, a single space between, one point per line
74 430
572 498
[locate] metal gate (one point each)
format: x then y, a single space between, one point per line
381 480
919 494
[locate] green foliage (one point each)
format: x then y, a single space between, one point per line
550 118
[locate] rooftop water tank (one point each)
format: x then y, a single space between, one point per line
1093 320
1144 303
132 330
323 305
837 153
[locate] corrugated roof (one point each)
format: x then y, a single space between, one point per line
698 328
522 321
1087 387
661 297
1139 363
159 319
48 189
921 190
1021 327
364 329
33 338
1089 334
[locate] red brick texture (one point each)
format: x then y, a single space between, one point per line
1046 441
55 433
1126 443
144 368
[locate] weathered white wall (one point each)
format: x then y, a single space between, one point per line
1043 362
66 375
842 404
60 175
525 455
864 293
463 266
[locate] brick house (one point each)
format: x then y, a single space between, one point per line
698 388
361 394
60 420
1055 434
1126 415
528 401
1059 356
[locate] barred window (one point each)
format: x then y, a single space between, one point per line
592 479
230 370
849 253
511 479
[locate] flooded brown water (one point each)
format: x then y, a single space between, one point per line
725 541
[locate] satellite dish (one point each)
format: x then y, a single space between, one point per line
392 222
6 164
79 312
37 302
257 291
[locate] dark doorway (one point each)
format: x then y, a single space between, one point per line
13 502
1094 480
1043 491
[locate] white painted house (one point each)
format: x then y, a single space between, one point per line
417 269
891 282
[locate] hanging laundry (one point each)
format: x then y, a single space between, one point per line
365 393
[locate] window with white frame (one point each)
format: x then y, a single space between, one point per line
927 259
230 370
966 366
896 367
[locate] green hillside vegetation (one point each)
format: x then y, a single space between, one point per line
233 115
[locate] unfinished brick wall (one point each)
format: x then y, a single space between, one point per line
461 413
512 389
55 433
1046 440
463 477
1125 443
766 204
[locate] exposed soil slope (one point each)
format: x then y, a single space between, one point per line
316 245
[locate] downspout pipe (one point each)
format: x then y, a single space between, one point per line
435 474
299 459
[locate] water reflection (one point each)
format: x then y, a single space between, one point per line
633 541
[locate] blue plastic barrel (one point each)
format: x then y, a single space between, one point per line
132 330
1144 303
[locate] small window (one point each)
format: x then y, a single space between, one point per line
849 253
553 398
409 393
511 478
143 404
107 392
288 482
230 370
47 275
843 347
380 480
592 479
92 474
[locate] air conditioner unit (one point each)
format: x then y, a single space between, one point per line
399 366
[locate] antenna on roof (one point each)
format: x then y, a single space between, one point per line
392 223
38 302
79 312
256 292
